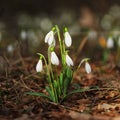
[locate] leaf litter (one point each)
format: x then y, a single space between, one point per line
102 102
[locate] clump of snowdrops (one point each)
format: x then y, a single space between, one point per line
58 84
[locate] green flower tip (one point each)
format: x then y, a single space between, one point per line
86 59
66 52
65 29
52 48
53 29
41 56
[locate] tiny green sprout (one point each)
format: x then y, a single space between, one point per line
58 84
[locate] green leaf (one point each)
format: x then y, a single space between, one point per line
56 88
67 78
61 80
69 72
49 92
38 94
66 84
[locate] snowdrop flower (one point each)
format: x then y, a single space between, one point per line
87 67
54 58
68 39
69 61
110 42
39 66
49 38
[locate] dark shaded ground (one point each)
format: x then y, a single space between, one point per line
96 104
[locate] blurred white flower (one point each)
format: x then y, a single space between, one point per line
92 35
68 39
49 38
10 48
110 43
39 66
69 61
45 23
87 67
23 35
119 41
54 58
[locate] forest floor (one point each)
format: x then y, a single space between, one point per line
102 102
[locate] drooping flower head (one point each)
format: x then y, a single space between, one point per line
110 43
54 58
39 66
49 38
87 67
68 39
69 61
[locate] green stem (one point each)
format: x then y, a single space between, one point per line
49 77
49 62
52 76
60 42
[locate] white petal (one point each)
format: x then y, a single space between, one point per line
110 43
54 59
39 66
68 39
87 67
69 61
49 38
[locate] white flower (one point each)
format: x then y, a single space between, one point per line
87 67
39 66
110 43
23 35
54 59
68 39
69 60
49 38
10 48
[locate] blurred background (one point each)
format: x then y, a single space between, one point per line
24 23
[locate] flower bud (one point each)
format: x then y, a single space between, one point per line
39 66
49 38
87 67
54 59
68 39
69 61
